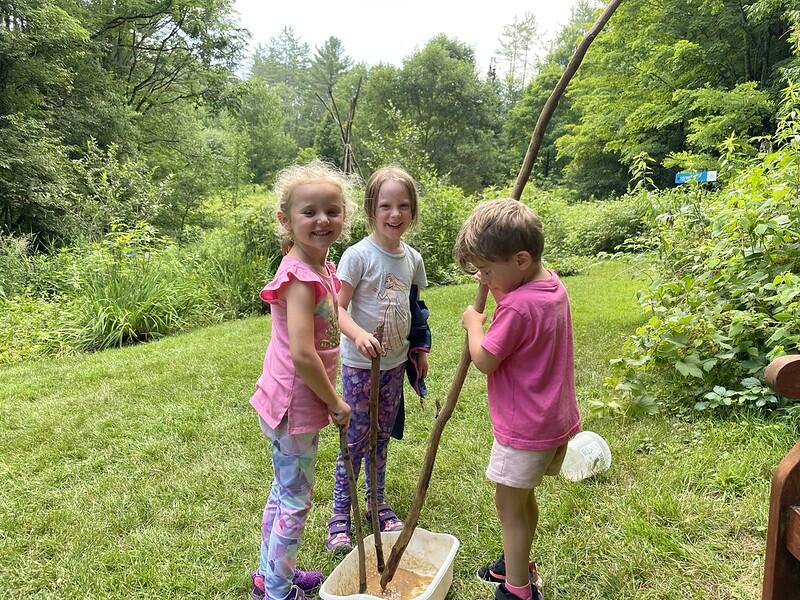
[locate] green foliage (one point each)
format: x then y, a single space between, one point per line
110 189
262 117
660 82
456 114
29 329
402 142
725 298
130 287
443 208
16 265
33 180
587 228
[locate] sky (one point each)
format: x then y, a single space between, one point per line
387 32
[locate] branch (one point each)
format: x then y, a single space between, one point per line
117 21
555 96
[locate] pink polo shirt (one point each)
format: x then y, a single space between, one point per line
532 392
280 390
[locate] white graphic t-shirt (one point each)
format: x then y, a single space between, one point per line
381 283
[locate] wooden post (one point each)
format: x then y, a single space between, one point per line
480 302
552 102
430 456
782 560
353 485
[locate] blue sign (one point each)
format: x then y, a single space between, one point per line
698 176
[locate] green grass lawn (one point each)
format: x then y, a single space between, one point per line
141 473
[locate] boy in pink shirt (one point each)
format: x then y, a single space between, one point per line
527 356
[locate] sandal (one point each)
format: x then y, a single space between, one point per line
387 519
339 539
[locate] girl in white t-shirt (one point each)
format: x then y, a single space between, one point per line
377 274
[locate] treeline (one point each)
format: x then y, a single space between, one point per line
129 111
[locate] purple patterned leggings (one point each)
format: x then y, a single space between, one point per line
288 505
355 391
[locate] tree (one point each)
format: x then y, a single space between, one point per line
457 115
641 87
270 147
329 63
516 55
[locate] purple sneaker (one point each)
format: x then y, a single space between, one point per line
306 581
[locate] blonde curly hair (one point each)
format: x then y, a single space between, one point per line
316 171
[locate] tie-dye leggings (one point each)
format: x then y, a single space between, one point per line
355 391
288 505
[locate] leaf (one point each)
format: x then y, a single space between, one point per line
677 339
751 382
687 369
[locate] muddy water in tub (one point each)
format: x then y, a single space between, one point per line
405 585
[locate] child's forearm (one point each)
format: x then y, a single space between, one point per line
474 338
311 370
348 326
485 361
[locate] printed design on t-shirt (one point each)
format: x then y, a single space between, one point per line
325 310
395 311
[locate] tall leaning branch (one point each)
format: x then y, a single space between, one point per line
552 102
480 302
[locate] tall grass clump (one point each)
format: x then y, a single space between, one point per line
725 297
132 286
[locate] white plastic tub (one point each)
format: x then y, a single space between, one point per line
427 553
587 454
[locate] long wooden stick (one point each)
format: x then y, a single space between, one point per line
480 301
430 455
352 482
552 102
374 391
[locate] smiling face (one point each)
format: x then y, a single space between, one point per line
393 214
315 218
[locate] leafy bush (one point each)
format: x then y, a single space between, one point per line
443 208
110 188
14 264
725 298
584 229
234 262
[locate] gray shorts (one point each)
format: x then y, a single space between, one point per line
523 469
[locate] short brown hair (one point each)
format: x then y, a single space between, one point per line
496 230
377 179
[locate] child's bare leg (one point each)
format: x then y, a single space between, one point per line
517 515
533 515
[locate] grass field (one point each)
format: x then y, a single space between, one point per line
141 473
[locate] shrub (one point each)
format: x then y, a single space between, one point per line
130 287
28 329
15 265
584 229
724 300
443 208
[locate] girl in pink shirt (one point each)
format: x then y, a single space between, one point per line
296 395
528 359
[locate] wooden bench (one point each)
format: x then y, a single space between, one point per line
782 562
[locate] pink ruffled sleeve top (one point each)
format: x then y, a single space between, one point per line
280 390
